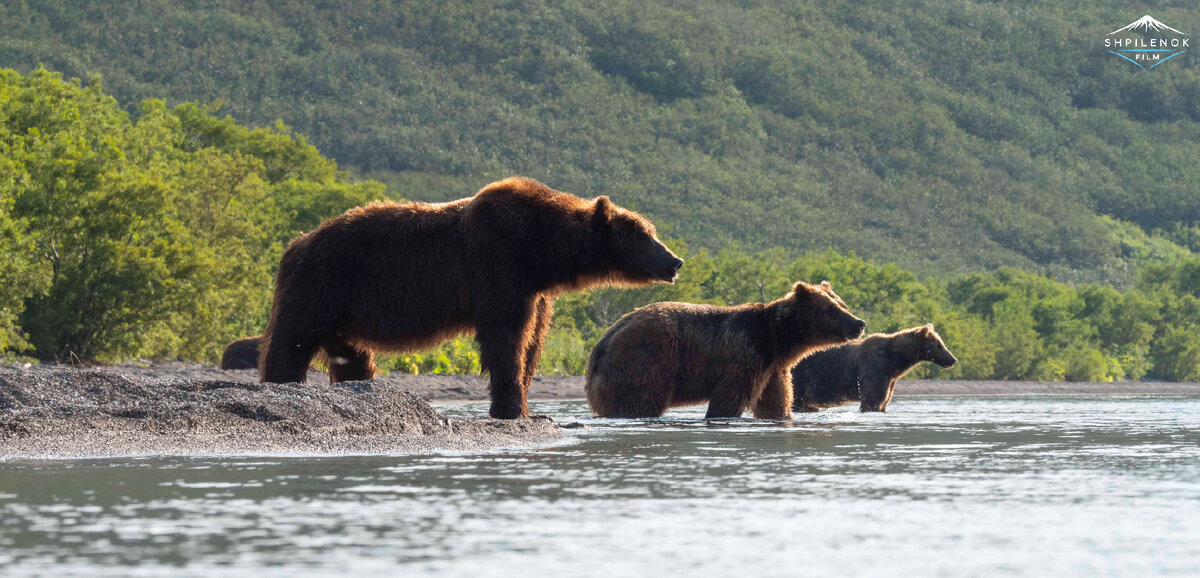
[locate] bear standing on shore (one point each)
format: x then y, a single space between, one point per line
408 276
241 354
673 354
865 370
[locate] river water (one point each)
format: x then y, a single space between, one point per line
1032 486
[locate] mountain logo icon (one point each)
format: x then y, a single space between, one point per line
1146 23
1146 42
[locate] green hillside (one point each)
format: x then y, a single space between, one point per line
946 137
155 235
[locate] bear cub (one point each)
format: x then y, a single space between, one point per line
865 370
735 358
242 354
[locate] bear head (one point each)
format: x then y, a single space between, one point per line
823 314
899 352
910 346
635 255
932 348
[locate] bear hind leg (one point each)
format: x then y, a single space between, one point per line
349 362
645 403
730 397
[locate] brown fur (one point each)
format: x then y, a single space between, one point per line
673 354
408 276
865 370
241 354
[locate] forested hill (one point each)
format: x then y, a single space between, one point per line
942 136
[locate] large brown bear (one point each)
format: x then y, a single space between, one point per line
865 370
408 276
241 354
672 354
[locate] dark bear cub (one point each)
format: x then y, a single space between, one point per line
865 370
408 276
673 354
241 354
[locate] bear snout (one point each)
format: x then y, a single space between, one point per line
852 327
667 267
948 361
676 265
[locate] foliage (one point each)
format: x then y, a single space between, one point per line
458 355
945 136
155 236
1009 324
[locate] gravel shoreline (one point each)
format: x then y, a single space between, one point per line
49 411
473 387
52 412
432 387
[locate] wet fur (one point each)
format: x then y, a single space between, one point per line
404 277
734 358
865 370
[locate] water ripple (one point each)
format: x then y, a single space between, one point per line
1018 486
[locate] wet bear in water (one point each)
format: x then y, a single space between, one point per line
241 354
673 354
408 276
865 370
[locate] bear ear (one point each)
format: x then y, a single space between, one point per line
826 285
801 288
604 210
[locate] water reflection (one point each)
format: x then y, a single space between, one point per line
1068 486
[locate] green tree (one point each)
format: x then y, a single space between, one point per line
145 236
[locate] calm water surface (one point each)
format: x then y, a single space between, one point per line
937 487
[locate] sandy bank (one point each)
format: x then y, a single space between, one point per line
188 408
1003 388
473 387
460 388
185 409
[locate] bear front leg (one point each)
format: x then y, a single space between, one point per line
285 357
776 399
543 311
875 394
503 331
887 400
